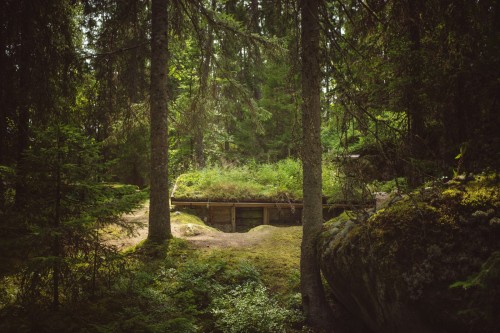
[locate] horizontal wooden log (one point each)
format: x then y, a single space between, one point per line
265 204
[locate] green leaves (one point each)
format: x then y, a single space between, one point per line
249 308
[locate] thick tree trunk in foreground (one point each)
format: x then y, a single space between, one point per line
313 298
159 211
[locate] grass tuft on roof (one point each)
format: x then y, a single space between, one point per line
279 182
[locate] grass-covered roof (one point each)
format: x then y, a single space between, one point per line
279 182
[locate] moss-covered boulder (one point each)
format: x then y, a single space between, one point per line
427 263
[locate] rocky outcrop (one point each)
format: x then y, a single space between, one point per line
427 263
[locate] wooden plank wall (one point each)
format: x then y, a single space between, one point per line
248 218
285 216
221 218
242 219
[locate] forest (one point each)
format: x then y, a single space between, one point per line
369 128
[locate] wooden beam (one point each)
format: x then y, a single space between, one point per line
235 204
233 218
263 204
265 216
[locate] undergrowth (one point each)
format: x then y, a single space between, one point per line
189 291
175 288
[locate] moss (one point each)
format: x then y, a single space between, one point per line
479 193
261 228
478 197
342 218
488 275
416 248
171 249
339 228
399 231
277 257
184 218
453 194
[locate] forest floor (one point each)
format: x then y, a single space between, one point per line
180 286
274 251
184 226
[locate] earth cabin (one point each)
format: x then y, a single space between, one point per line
242 216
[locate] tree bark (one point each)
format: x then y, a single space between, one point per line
23 103
159 211
56 242
3 100
200 109
415 111
314 302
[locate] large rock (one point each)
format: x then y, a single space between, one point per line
394 271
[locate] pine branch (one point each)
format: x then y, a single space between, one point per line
121 50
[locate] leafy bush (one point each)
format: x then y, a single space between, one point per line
248 308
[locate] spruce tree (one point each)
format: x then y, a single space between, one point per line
313 297
159 214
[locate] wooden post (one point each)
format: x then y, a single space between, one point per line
265 215
233 218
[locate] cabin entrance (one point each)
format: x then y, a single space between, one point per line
248 217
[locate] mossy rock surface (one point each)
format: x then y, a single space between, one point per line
427 263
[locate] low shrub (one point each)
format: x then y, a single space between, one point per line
249 308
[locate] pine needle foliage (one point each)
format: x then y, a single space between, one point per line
67 207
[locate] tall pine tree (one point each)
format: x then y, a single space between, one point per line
313 296
159 213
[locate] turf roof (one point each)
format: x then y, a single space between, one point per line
279 182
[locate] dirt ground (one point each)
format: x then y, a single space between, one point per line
198 235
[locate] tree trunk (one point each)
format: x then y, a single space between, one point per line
200 110
3 101
159 211
314 302
414 104
199 147
255 66
56 242
23 103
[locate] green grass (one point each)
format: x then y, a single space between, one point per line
176 287
191 282
276 257
279 182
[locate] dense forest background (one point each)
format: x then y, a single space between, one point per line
416 81
412 87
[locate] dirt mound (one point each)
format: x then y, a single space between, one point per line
188 227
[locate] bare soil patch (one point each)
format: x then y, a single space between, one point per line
200 236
